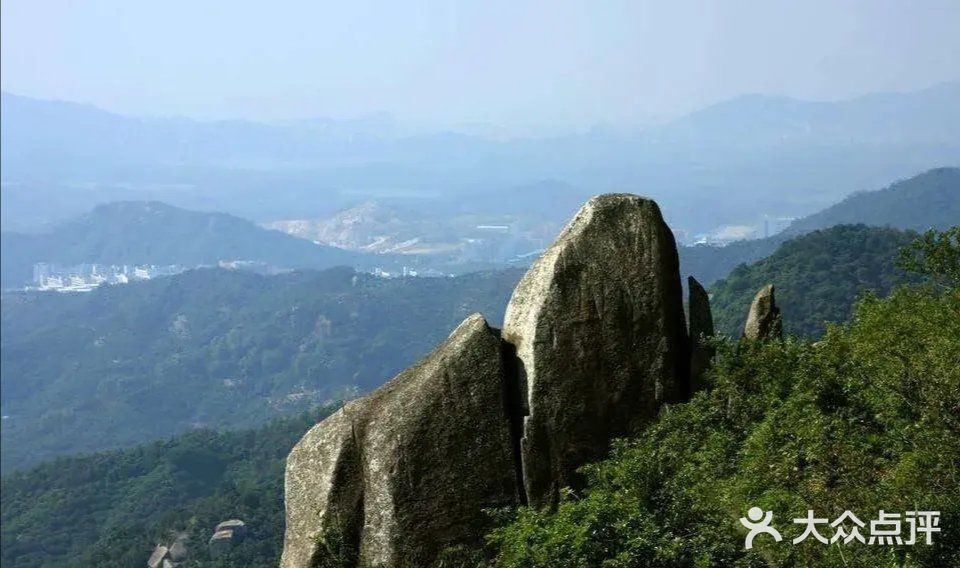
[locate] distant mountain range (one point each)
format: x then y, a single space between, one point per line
156 233
729 163
454 237
927 200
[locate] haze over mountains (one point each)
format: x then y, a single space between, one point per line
927 200
452 238
176 352
729 163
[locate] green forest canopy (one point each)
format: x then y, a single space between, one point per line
818 278
213 347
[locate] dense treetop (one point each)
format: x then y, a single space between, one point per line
110 509
818 278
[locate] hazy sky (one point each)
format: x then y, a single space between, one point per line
510 62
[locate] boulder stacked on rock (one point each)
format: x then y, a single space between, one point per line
594 343
763 319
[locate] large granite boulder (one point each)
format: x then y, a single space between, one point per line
700 328
763 319
600 337
594 343
394 478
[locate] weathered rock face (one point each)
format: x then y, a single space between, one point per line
225 536
595 341
763 320
600 337
171 556
701 326
394 478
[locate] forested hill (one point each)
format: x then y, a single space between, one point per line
150 232
127 364
818 278
110 509
927 200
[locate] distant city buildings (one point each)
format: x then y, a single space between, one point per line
773 225
405 272
726 234
87 276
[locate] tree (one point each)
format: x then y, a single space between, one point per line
936 254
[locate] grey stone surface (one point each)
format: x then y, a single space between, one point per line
225 536
595 342
700 327
763 319
160 553
600 337
323 486
395 477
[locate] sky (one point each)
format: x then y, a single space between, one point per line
514 64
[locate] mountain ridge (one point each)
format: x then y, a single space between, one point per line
930 199
735 162
151 232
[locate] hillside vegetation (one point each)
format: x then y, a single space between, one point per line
225 349
867 419
818 278
110 509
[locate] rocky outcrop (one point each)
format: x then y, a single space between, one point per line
225 536
763 319
700 328
594 343
159 554
394 478
600 336
170 556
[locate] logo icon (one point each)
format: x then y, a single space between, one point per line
758 521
